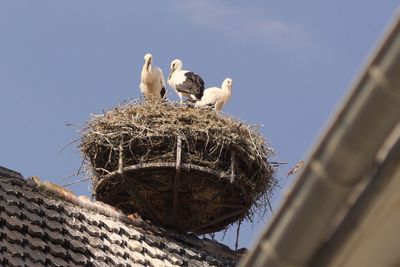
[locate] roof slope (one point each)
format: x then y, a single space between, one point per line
38 229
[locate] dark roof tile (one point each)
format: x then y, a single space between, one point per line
14 261
31 196
13 210
77 246
36 243
10 188
116 249
196 263
51 214
55 261
29 262
35 255
14 236
34 218
13 222
176 259
58 250
54 225
77 257
55 237
193 255
97 254
13 248
35 230
96 242
154 252
44 230
174 248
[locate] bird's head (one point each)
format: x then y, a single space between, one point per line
227 83
176 64
147 59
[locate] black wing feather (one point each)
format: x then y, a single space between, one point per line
193 85
163 92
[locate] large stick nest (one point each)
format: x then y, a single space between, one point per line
224 174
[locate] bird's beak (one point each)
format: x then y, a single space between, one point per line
170 73
148 65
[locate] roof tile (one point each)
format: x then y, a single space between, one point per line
14 236
173 248
51 214
77 246
58 250
54 225
13 222
14 261
31 196
55 237
135 245
176 259
13 248
36 255
35 230
196 263
154 252
137 257
155 262
13 210
77 257
55 261
34 218
36 243
97 254
43 231
9 188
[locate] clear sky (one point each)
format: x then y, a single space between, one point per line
291 63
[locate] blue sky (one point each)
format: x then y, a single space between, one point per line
291 64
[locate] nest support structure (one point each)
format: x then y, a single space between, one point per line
188 182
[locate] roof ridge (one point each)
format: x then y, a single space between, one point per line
55 191
8 173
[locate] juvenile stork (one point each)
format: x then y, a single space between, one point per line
152 83
185 83
217 97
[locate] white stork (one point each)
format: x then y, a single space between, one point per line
152 83
217 97
184 82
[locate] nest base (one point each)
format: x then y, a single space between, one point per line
153 191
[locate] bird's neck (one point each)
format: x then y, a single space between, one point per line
226 91
147 66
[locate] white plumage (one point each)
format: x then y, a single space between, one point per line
152 83
185 83
217 97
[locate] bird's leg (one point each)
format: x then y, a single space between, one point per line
180 97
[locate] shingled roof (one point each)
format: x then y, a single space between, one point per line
41 225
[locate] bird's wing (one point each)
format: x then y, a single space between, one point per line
193 84
210 97
163 91
161 76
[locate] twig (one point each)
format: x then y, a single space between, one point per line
237 235
76 182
